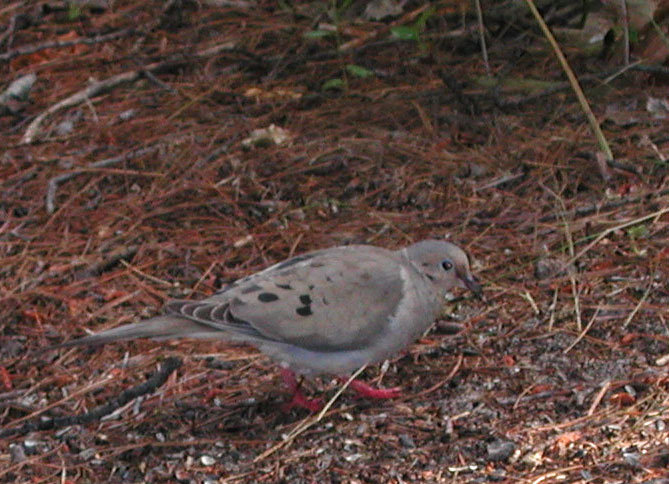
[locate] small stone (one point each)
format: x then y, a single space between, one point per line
632 457
444 327
64 128
16 453
407 441
207 460
547 268
500 450
87 454
127 115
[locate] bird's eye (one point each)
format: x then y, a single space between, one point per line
447 265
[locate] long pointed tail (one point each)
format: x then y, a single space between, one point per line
161 327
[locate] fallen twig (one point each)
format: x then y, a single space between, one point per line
31 49
583 333
157 379
57 180
105 85
603 207
78 98
640 303
308 422
583 101
613 229
598 398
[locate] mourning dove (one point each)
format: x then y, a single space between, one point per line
323 312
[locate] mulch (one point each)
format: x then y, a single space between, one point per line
131 174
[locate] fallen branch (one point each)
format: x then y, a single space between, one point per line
93 90
156 380
31 49
106 85
604 207
583 101
57 180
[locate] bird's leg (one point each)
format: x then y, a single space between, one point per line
365 390
298 399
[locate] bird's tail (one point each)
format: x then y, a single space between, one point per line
160 327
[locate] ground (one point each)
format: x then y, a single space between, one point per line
149 182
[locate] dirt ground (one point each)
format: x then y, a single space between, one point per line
132 172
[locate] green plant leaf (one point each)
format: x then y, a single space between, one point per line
333 84
73 12
634 36
424 17
358 71
317 34
638 232
403 32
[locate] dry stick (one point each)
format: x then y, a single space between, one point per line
157 379
110 83
308 422
584 332
641 301
577 300
484 49
592 120
556 476
448 378
570 244
528 297
586 210
82 391
57 180
552 309
598 398
31 49
145 275
626 32
35 461
8 34
107 260
613 229
78 98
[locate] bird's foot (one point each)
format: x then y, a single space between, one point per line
299 399
367 391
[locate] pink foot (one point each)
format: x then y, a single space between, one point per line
365 390
298 400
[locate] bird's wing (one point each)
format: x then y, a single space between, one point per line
330 300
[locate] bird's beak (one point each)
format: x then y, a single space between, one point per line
471 284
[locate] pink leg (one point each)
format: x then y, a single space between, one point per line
298 399
365 390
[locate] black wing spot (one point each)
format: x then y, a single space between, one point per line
305 299
304 311
287 287
266 297
251 288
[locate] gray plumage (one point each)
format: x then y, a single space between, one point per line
328 311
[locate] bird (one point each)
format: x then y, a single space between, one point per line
325 312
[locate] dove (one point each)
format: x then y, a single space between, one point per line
326 312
